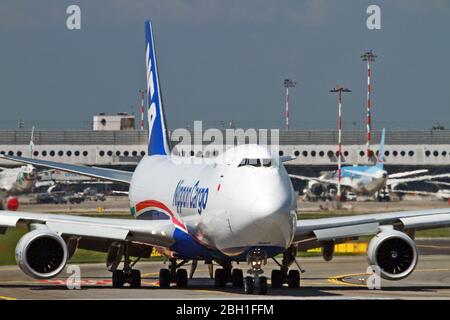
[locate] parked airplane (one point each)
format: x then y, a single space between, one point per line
16 181
363 180
440 194
237 207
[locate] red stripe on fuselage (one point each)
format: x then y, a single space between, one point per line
160 205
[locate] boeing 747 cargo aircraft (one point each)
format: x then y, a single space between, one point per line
239 208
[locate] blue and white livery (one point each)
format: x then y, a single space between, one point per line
158 139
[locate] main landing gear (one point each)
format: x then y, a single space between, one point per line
127 275
284 275
226 274
173 274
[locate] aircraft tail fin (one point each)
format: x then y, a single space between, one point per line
32 142
158 141
380 158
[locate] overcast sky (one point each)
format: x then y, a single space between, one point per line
221 60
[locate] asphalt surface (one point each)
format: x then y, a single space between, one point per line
342 278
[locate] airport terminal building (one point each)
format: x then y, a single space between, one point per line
117 148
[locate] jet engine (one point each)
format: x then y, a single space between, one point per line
41 254
318 189
394 253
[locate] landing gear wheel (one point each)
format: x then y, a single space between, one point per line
135 279
181 278
237 278
262 285
277 279
118 279
164 278
249 285
220 278
294 279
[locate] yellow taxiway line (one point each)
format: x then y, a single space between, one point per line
339 279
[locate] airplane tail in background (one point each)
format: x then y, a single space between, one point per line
32 142
380 158
158 142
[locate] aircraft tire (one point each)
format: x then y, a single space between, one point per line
164 278
262 285
294 279
277 279
135 279
237 278
182 278
249 285
118 279
220 279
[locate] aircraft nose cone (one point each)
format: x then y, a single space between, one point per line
269 204
274 219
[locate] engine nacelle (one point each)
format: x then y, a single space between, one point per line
394 252
328 250
41 254
318 189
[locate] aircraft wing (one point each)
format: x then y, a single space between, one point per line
312 231
419 178
319 180
287 158
94 172
438 194
94 230
406 173
360 173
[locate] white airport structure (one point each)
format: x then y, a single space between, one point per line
126 147
120 121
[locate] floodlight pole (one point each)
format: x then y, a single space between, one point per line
288 83
368 56
339 90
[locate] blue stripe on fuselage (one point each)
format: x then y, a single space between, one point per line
187 247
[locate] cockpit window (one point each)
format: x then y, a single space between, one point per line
244 162
255 162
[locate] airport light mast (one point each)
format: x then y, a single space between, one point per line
368 56
339 90
142 93
288 83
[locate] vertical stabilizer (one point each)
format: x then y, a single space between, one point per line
380 158
158 142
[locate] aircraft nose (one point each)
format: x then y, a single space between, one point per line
270 204
274 219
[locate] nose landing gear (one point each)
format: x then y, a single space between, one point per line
256 259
